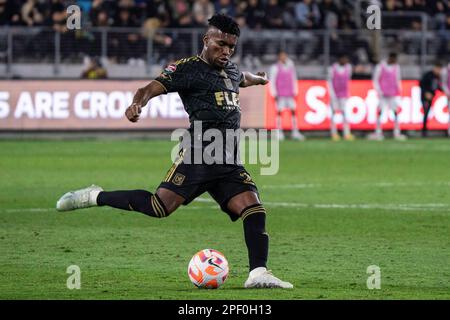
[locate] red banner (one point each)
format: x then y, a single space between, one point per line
100 105
313 108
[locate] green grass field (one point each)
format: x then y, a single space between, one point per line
333 210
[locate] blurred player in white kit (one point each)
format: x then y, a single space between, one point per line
284 87
387 83
339 76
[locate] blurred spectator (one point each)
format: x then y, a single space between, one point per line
202 11
333 15
328 8
10 12
254 14
102 19
429 84
225 7
58 15
161 10
127 45
162 43
94 70
274 20
180 8
307 14
31 13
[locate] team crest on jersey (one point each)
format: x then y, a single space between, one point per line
228 84
178 179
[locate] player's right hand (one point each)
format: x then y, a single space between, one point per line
428 96
133 112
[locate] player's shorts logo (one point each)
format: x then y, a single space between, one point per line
178 179
247 178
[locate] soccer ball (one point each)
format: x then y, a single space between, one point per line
208 269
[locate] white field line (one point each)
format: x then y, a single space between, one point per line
376 184
367 206
371 206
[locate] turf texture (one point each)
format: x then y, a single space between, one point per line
334 209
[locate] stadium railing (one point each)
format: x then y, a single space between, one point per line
41 52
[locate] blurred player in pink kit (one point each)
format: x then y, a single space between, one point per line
446 87
339 75
387 83
283 84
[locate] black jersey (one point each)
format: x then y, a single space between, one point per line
209 95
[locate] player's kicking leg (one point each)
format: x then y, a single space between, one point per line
253 214
158 205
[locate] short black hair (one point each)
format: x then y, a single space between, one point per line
225 24
393 55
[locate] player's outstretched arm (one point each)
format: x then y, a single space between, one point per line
140 99
251 79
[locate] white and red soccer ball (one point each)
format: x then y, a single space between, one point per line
208 269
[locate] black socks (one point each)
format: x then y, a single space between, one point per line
134 200
256 238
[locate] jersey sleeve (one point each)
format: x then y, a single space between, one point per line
175 77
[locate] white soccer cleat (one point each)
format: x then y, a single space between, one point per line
296 135
400 137
83 198
263 278
376 136
278 134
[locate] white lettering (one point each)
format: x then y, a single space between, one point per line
24 106
4 105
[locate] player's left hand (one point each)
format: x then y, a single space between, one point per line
262 78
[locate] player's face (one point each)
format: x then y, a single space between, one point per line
392 60
343 60
283 57
437 70
219 47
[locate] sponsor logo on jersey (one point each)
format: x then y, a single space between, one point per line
227 100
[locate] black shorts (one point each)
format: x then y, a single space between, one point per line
221 181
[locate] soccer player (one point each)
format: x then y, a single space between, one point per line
208 85
339 75
387 83
429 84
446 86
283 84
